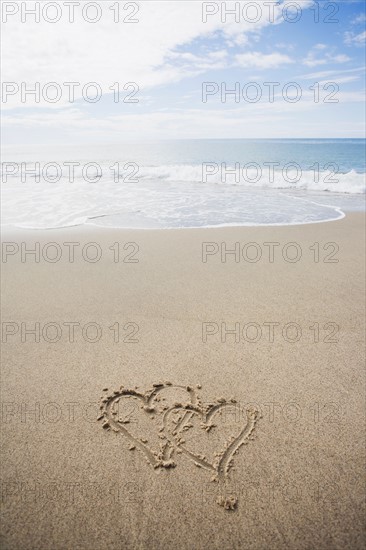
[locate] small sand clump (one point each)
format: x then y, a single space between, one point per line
228 503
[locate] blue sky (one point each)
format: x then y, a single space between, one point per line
170 53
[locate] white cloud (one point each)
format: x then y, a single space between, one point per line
169 43
285 46
340 80
196 64
341 58
352 39
332 73
315 59
107 52
262 61
359 19
263 120
221 54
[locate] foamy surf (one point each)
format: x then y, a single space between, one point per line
184 184
164 206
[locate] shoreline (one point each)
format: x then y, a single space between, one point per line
348 203
10 228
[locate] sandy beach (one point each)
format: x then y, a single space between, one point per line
143 307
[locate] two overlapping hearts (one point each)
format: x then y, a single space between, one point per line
172 419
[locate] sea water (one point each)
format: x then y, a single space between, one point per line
183 184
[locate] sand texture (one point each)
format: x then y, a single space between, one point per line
146 424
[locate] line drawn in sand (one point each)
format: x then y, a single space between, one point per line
177 419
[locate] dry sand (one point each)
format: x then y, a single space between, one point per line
69 483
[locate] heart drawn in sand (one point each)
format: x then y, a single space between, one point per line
172 418
225 446
127 411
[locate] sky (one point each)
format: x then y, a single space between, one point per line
175 60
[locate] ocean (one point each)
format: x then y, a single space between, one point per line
183 184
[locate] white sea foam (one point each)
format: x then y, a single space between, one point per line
160 204
351 182
174 194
